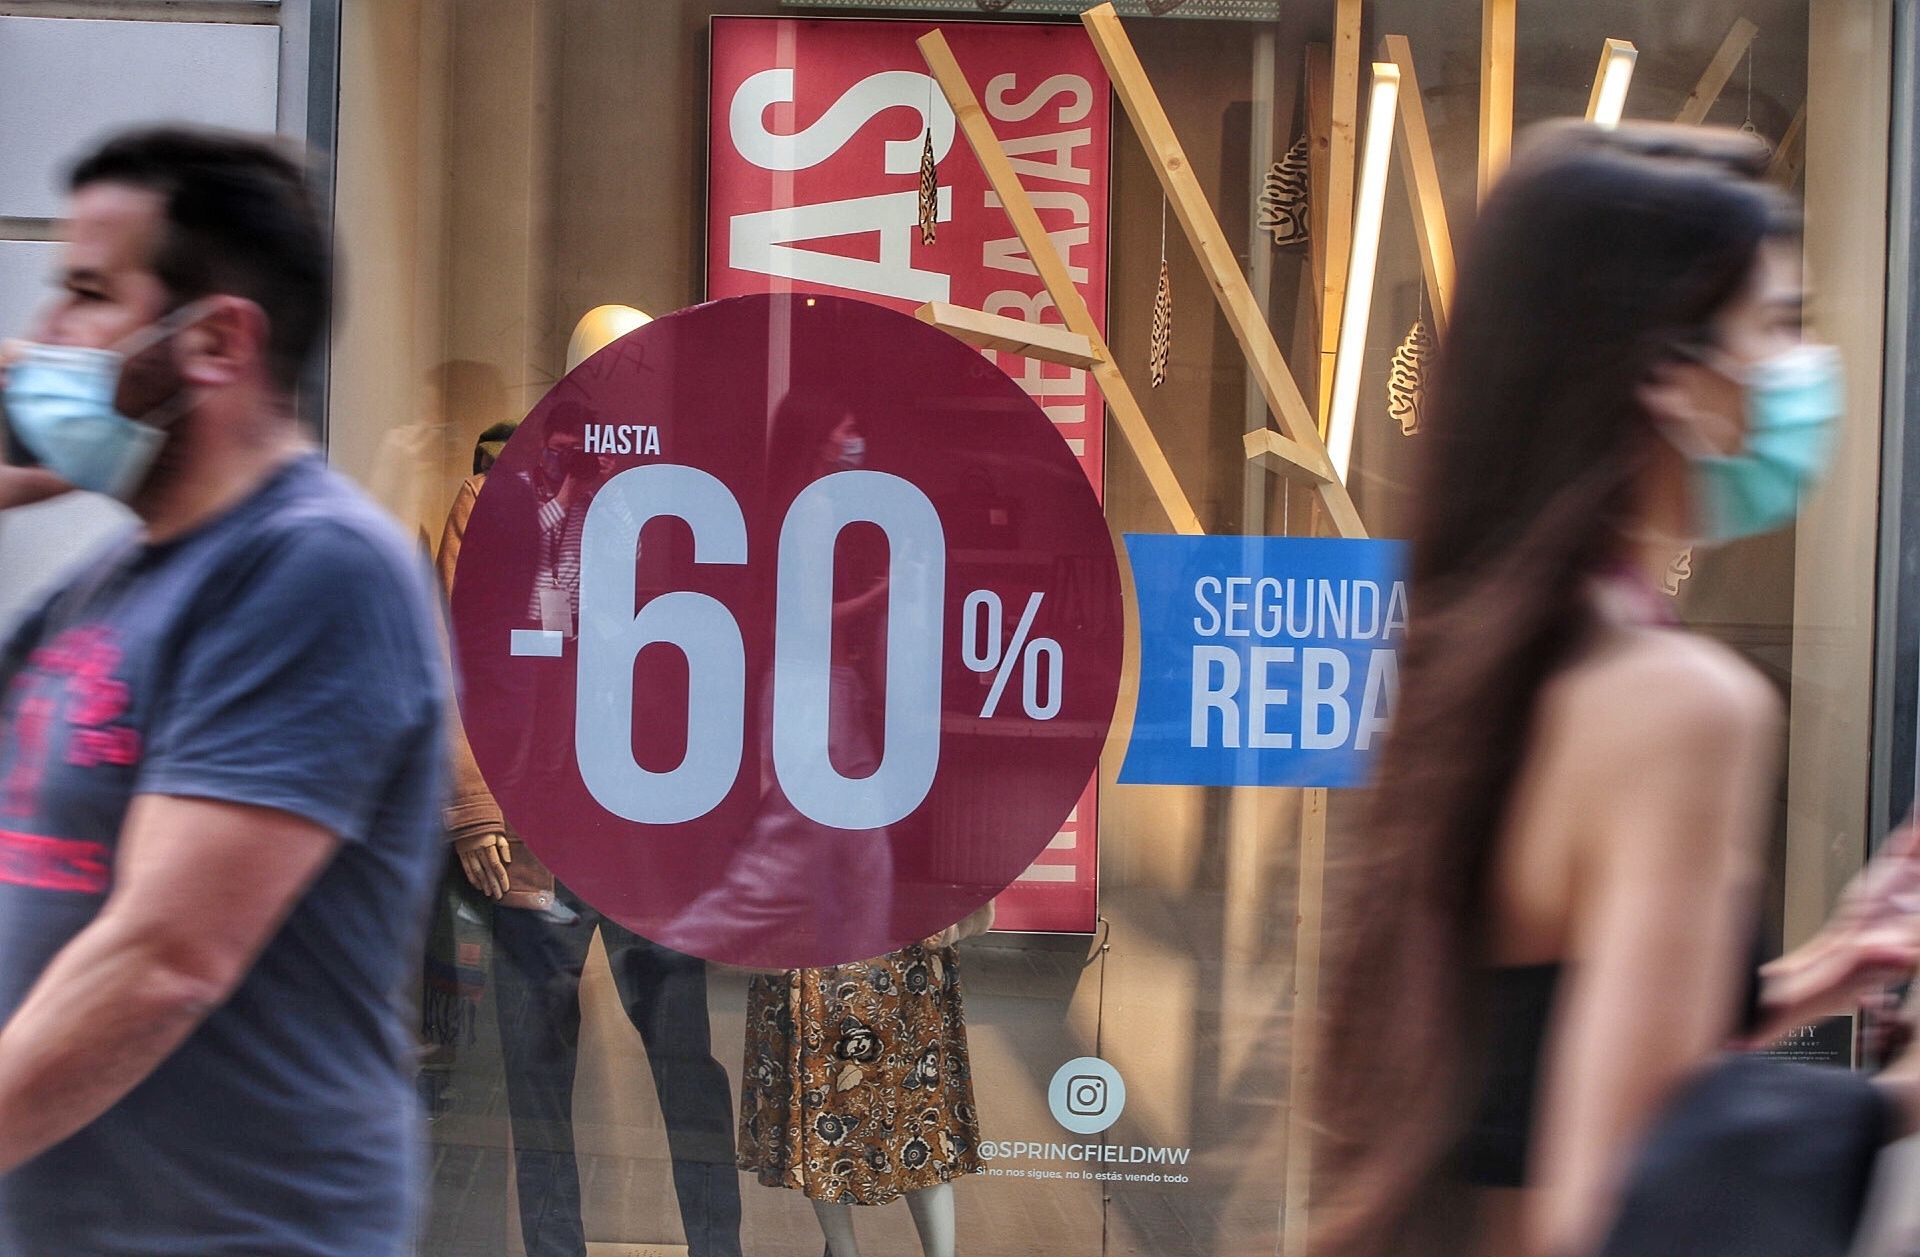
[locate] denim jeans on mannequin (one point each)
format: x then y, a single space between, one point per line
538 959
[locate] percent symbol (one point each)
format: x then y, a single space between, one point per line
982 619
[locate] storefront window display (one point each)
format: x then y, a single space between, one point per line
1251 210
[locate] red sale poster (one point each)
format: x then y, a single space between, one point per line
814 154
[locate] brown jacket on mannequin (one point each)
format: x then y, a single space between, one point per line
472 810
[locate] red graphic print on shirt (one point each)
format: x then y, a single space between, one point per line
77 665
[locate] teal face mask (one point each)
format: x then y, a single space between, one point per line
60 409
1793 401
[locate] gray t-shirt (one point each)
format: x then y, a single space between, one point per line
284 655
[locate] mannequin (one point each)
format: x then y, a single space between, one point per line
904 1128
600 327
932 1209
542 932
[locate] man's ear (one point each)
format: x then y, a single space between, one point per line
227 342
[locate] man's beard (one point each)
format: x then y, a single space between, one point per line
152 387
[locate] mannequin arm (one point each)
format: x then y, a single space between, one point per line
484 859
169 946
976 923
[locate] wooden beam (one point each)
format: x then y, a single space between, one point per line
1052 269
1319 162
1496 89
1217 260
1304 1040
1044 342
1282 457
1343 140
1719 70
1790 153
1421 172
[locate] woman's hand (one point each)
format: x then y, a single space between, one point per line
1871 941
1901 1079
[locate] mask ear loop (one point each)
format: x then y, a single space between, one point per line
1693 347
172 323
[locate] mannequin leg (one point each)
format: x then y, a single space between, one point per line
836 1223
665 995
932 1209
536 969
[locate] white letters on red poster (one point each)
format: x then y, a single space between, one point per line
818 128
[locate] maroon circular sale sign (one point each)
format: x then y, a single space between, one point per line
790 630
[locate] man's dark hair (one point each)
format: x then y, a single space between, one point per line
240 219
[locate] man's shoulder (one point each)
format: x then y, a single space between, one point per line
324 527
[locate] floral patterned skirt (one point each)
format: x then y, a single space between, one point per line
857 1088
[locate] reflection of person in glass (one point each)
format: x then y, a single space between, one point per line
788 886
857 1087
542 931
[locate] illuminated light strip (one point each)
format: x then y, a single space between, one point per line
1608 100
1051 873
1369 207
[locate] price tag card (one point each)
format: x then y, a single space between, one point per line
812 713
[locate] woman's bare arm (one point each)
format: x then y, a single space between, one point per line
1677 746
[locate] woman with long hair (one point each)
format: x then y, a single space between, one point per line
1549 922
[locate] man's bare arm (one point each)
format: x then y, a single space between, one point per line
199 888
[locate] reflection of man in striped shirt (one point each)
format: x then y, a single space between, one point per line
562 485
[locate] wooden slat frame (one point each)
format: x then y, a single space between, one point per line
1282 457
1319 74
1052 270
1218 263
1791 152
1343 140
1303 1042
1283 398
1421 172
1707 92
1496 89
1043 342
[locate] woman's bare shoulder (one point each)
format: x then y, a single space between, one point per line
1662 688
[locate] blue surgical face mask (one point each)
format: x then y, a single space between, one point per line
60 409
1793 400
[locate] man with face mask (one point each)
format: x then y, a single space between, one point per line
220 750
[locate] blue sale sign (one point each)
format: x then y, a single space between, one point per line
1266 661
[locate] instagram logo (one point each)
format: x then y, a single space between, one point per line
1087 1095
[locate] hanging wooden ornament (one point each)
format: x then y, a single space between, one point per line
1160 338
1283 198
929 191
1407 377
1678 570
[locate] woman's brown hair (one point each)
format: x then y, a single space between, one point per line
1597 255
